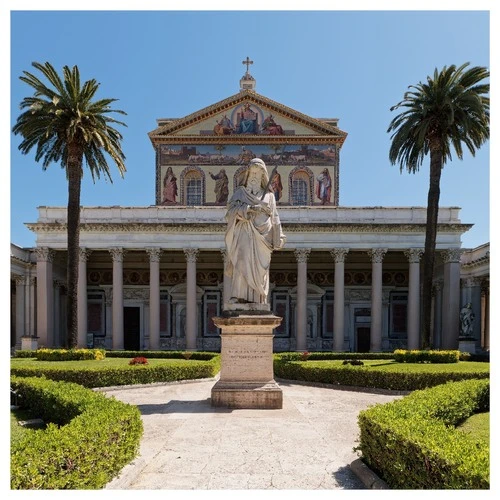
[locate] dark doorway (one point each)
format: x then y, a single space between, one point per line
363 338
132 328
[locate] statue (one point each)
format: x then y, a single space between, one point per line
467 321
253 232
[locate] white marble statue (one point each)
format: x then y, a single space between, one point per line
467 321
253 232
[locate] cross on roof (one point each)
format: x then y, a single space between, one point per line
247 62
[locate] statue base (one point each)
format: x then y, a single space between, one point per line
246 375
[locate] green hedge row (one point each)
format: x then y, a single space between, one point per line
126 375
318 356
89 439
364 376
413 443
418 356
69 354
197 355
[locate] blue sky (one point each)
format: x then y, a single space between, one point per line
351 65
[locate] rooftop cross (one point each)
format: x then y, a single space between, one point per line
247 62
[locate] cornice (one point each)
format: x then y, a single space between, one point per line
210 227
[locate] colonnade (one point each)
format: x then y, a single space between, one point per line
445 317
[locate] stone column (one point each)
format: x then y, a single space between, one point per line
413 255
226 280
302 255
30 300
339 255
58 341
191 309
44 296
451 298
438 309
20 309
82 297
154 297
117 327
377 256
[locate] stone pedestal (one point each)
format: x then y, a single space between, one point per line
246 375
29 343
467 346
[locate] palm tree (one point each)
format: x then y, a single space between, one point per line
66 127
449 110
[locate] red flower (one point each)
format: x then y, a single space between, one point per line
139 360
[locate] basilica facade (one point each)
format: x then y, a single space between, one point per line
347 279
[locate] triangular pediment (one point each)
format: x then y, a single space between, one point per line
247 115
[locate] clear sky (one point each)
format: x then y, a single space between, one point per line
350 65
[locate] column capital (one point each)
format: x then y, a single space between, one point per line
377 254
84 254
302 254
20 280
413 255
451 255
223 251
339 254
44 254
191 254
117 254
154 254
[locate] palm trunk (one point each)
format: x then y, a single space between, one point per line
430 244
74 186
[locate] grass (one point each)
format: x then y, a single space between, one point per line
18 432
90 363
392 366
478 425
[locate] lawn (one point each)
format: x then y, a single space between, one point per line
392 366
477 425
17 432
90 364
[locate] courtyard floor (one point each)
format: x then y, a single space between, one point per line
189 445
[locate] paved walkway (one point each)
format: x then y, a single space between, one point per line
189 445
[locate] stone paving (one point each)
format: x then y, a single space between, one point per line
189 445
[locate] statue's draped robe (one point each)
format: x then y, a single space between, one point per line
249 244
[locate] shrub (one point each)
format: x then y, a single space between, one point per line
69 354
399 377
416 356
413 444
353 362
88 440
105 376
318 356
195 355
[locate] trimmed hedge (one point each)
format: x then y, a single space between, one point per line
318 356
196 355
413 443
366 376
419 356
88 440
102 376
69 354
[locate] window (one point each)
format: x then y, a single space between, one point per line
281 307
193 191
328 315
95 313
165 314
398 315
211 308
300 187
